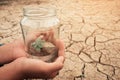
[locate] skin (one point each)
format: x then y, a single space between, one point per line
17 65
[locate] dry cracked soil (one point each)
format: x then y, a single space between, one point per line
90 30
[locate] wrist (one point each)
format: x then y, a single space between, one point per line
11 75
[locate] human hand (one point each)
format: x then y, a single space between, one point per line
21 67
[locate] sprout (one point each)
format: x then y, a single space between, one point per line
38 44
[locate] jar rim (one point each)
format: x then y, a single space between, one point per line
39 12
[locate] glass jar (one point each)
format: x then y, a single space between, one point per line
40 27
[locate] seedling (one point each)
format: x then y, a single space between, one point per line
43 50
38 44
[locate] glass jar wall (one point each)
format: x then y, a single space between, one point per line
40 28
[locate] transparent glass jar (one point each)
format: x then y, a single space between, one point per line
40 27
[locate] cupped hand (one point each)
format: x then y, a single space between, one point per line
21 67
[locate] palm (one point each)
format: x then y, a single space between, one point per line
19 50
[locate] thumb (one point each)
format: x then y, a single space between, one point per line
57 65
60 59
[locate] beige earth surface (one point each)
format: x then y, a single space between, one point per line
89 28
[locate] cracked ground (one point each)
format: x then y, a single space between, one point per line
90 30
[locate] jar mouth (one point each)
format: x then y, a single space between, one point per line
39 12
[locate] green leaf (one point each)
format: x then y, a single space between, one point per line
38 44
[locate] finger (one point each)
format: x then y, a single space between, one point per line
57 65
61 48
46 36
35 68
37 65
54 74
51 36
